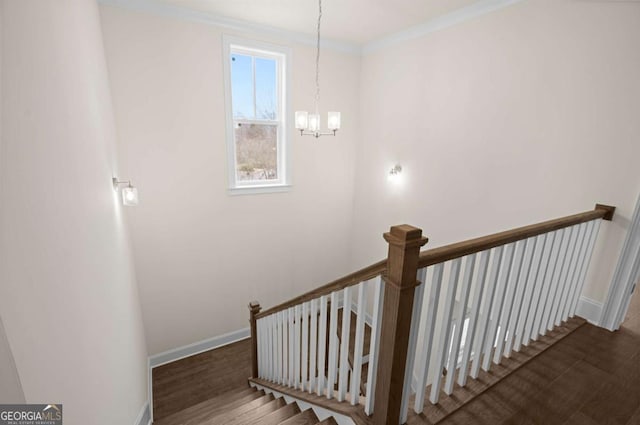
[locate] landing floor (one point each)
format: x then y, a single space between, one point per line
591 377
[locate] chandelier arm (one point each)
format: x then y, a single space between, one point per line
317 134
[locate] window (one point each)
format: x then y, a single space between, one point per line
256 108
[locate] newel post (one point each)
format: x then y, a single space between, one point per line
254 308
400 282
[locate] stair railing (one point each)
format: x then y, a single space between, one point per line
300 345
502 292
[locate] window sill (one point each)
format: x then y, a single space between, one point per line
253 190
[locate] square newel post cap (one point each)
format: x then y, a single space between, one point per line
406 236
254 307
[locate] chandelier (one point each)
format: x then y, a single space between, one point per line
309 124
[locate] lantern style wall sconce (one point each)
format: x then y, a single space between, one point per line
129 192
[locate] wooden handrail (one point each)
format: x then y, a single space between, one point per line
349 280
460 249
449 252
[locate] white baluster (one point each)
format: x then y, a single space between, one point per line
322 345
285 347
292 350
501 321
492 305
260 341
564 277
343 378
429 324
374 346
333 344
522 283
313 344
357 355
554 294
531 284
593 236
545 296
459 317
271 344
574 271
537 303
418 300
278 341
305 346
267 348
476 300
443 343
296 347
274 349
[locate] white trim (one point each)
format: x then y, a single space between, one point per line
198 347
144 417
476 9
625 276
320 412
253 190
150 389
479 8
589 310
172 11
283 57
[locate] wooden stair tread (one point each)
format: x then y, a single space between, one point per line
211 406
258 412
308 417
229 414
222 408
275 418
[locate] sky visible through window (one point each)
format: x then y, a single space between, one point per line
242 87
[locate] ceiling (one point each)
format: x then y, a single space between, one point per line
354 21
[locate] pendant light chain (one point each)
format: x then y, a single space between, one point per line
318 57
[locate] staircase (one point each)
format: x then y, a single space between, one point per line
246 407
411 339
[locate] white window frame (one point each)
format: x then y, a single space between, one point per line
283 59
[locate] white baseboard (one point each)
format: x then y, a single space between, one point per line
144 417
198 347
589 310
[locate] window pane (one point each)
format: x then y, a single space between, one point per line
256 152
266 89
242 86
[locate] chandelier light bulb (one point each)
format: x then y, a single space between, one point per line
333 121
302 120
314 122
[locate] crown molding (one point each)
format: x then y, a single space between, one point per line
475 10
168 10
479 8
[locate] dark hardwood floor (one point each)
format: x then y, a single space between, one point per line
590 377
189 381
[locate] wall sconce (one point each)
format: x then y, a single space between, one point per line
394 173
129 192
